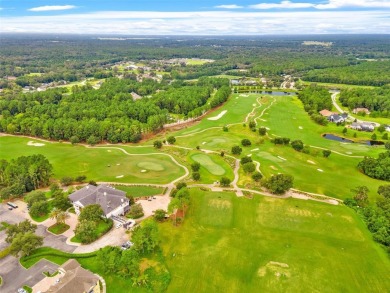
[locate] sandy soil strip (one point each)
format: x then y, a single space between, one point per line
218 116
282 158
311 162
37 144
119 176
320 170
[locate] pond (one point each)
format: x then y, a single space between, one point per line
336 138
342 139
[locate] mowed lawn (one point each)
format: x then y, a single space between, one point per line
100 164
230 244
138 191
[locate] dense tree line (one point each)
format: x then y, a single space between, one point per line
315 99
376 215
376 100
377 168
364 73
24 174
109 113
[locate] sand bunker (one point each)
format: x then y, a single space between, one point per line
282 158
242 95
119 176
37 144
143 171
218 116
109 151
255 150
118 164
250 155
300 127
320 170
204 142
311 162
273 168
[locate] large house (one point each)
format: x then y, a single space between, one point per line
337 118
71 277
363 126
112 201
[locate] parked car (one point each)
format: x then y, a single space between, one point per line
118 225
127 245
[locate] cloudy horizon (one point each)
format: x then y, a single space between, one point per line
205 18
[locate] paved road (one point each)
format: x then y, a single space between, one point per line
15 276
334 95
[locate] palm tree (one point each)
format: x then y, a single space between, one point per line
62 216
54 214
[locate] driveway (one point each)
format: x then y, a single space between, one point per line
15 276
160 202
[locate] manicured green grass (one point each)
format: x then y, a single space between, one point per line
99 164
213 166
58 228
28 289
138 191
337 85
206 162
230 244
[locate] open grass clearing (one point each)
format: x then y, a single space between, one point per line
139 191
271 245
100 163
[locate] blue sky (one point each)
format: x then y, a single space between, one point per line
201 17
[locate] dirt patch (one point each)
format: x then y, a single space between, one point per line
277 269
36 144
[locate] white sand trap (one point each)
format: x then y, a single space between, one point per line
119 176
109 151
218 116
37 144
273 168
256 149
320 170
263 120
118 164
300 127
268 128
143 171
253 105
250 155
282 158
204 142
242 95
311 162
348 153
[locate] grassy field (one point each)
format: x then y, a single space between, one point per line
58 228
138 191
230 244
337 85
99 164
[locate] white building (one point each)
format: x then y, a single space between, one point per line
112 201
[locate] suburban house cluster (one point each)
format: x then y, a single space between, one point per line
113 202
341 118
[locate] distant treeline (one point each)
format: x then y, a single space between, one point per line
109 113
366 73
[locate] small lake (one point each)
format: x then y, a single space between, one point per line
336 138
342 139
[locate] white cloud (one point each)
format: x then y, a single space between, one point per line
333 4
52 8
283 4
330 4
229 6
203 23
